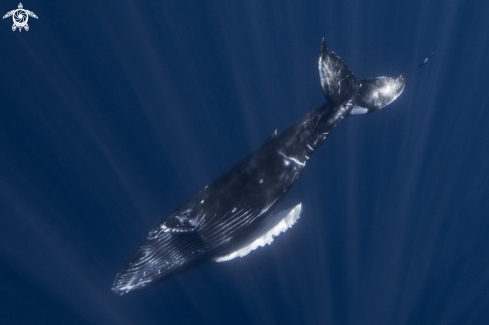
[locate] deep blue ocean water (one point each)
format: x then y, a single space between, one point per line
113 113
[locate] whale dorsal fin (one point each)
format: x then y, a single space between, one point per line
337 81
272 136
275 225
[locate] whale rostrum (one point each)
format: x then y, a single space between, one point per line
234 214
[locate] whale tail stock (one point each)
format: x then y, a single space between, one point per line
340 85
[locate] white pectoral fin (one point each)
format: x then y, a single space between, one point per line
275 225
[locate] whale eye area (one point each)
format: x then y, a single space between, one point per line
180 222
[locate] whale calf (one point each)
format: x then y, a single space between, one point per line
235 213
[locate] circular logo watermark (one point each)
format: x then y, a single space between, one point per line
20 17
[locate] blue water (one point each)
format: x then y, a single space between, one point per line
112 114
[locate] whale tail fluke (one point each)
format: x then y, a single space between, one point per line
340 84
373 94
337 81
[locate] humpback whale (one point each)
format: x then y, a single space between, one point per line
234 214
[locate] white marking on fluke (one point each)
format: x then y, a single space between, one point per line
274 226
358 110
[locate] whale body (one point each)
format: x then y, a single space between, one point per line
235 213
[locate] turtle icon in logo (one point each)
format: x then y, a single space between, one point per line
20 17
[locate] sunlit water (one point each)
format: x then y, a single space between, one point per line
113 114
